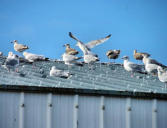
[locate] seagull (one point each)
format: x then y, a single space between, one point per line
19 47
162 75
70 59
1 53
86 48
11 62
139 55
33 57
89 58
59 73
151 61
70 50
131 67
150 67
113 54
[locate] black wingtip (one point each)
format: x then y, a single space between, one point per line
46 59
109 36
70 34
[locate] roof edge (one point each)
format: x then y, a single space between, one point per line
74 91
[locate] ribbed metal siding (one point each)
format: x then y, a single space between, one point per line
162 114
88 114
114 114
9 110
62 111
141 114
36 110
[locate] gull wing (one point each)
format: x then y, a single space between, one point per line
72 36
135 67
94 43
152 61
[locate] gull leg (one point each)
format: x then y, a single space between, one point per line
108 64
132 74
90 66
16 70
33 65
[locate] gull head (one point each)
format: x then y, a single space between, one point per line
160 69
145 55
66 45
135 51
117 51
53 67
10 53
125 58
25 53
14 41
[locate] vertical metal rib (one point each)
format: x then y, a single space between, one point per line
76 107
128 113
102 109
154 114
49 111
21 110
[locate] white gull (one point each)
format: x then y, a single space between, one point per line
86 48
11 62
19 47
33 57
70 59
146 58
59 73
162 74
131 67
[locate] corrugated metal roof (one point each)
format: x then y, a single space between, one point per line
105 77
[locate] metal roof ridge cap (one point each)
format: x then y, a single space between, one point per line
18 88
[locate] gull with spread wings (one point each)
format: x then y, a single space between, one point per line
86 48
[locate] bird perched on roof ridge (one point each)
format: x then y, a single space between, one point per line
11 62
151 61
113 54
90 59
70 50
19 47
139 55
33 57
132 67
86 48
162 75
59 73
70 59
151 67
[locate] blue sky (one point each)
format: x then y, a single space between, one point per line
44 26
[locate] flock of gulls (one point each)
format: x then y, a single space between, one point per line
151 66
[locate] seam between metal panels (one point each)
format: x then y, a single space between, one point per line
20 88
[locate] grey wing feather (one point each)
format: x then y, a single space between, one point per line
94 43
136 67
72 36
11 62
156 62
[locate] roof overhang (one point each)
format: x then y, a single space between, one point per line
74 91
